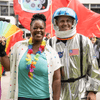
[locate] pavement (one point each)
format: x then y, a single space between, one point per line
5 83
4 86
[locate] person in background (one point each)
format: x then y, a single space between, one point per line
80 75
28 36
47 36
34 66
93 39
96 45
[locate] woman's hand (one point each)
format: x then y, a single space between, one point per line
2 46
91 96
2 40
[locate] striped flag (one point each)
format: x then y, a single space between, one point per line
73 52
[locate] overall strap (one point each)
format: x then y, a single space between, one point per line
81 56
50 42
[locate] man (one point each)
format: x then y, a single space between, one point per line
79 71
47 36
96 45
93 39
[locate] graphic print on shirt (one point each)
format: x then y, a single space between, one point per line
60 54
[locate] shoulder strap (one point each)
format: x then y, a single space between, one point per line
81 56
50 42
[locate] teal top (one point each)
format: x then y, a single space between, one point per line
38 87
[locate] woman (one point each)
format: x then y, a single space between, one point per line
35 73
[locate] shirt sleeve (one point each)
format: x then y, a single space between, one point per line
55 60
12 56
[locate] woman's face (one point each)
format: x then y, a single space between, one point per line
37 30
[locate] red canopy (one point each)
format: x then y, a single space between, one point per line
88 21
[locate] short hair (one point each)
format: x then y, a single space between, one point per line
47 34
38 17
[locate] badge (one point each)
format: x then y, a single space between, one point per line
73 52
60 54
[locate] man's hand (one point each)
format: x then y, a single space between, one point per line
91 96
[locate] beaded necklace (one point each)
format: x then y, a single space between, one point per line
30 63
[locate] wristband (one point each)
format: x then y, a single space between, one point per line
2 47
2 50
2 54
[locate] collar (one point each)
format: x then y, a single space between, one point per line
64 40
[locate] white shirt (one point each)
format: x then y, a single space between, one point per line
16 54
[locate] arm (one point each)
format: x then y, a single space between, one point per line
3 57
56 84
5 62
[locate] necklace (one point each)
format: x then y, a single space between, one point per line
31 63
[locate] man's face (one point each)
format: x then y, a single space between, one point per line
48 36
64 23
93 39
